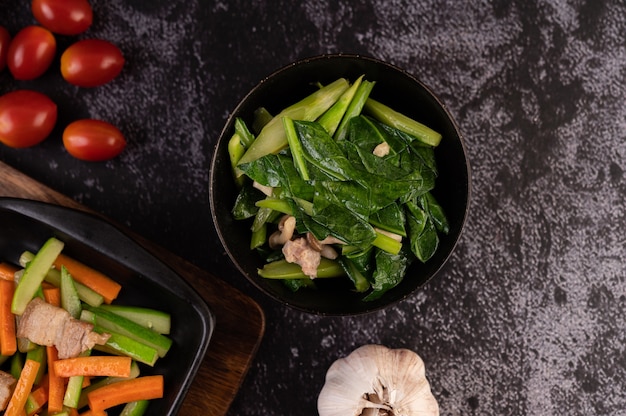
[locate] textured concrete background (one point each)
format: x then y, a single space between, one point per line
528 317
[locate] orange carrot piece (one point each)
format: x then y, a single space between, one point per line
52 295
22 389
95 280
140 388
8 340
40 396
94 365
56 384
7 271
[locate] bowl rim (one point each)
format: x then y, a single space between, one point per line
226 131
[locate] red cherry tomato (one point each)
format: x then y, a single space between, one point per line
5 40
91 62
31 52
65 17
26 118
93 140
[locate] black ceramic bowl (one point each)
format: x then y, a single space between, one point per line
394 87
145 280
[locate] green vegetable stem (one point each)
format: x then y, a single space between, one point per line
272 138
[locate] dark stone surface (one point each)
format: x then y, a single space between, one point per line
528 316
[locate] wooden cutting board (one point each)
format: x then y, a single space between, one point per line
240 322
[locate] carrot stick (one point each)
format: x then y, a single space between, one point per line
95 280
7 271
56 384
8 341
22 388
52 295
94 365
140 388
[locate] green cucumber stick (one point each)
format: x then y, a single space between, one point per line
330 119
34 274
154 319
69 296
392 118
272 138
124 326
354 108
119 344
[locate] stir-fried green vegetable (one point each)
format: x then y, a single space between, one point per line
356 175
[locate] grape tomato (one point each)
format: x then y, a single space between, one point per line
93 140
31 52
26 118
91 62
65 17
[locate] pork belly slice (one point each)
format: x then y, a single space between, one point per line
46 324
7 384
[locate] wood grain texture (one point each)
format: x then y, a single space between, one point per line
240 322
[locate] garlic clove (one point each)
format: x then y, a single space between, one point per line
375 380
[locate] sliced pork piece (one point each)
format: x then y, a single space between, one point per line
299 251
46 324
7 384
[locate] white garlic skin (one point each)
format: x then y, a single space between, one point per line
396 377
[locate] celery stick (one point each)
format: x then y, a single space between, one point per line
272 138
281 269
53 277
137 408
34 274
296 148
156 320
401 122
331 119
69 296
354 108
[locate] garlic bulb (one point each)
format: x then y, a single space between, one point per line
375 380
